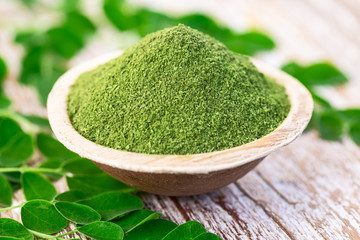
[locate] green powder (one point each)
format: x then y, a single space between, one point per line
178 91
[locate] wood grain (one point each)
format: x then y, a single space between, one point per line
307 190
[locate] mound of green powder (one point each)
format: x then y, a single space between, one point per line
178 91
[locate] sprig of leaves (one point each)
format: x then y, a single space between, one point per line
143 21
100 206
331 123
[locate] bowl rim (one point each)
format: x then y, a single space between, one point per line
203 163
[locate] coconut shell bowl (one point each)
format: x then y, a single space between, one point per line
179 175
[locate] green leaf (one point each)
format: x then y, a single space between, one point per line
64 42
113 204
31 65
77 213
36 186
354 132
42 216
351 115
321 102
248 43
52 148
322 73
16 147
155 229
93 185
70 196
5 102
149 21
12 228
102 231
293 68
330 126
10 238
186 231
136 218
207 236
79 25
119 18
82 167
39 121
14 177
3 69
52 163
6 192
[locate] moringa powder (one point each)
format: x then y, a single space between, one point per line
178 91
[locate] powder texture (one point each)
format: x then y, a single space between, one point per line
178 91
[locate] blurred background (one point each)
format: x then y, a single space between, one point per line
310 188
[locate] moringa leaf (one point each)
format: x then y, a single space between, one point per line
6 192
102 231
321 73
82 167
11 228
93 185
77 213
186 231
354 132
16 147
3 69
122 20
52 148
52 163
37 120
330 126
113 204
13 177
70 196
79 25
42 216
155 229
5 102
36 186
207 236
64 42
136 218
351 115
248 43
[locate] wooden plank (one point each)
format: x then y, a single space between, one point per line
307 190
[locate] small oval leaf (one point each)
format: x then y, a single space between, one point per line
186 231
102 231
355 133
36 186
207 236
136 218
5 192
52 148
70 196
93 185
113 204
12 228
330 126
77 213
155 229
82 167
42 216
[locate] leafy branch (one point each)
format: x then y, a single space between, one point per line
332 123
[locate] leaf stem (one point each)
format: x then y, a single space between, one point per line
13 207
68 233
31 169
42 235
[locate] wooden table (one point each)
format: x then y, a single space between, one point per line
307 190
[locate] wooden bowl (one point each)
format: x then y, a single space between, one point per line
179 175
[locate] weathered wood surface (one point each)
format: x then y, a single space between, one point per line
307 190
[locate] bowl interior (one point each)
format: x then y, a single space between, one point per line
292 126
